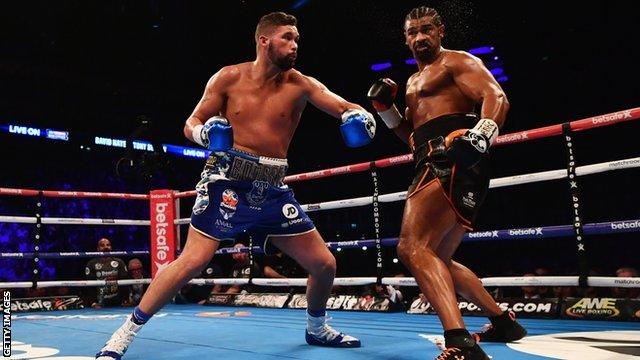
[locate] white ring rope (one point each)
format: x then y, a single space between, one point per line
595 281
361 201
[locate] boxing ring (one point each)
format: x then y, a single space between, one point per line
194 331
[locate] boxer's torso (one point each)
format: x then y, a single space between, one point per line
264 116
433 92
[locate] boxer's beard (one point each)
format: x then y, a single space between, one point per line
284 63
423 54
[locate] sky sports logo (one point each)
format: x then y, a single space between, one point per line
6 324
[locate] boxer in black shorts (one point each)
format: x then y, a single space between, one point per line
450 147
465 188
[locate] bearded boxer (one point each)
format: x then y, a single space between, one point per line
247 117
450 146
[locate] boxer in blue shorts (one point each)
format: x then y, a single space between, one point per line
247 117
240 192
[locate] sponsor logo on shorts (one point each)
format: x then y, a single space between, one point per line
258 193
294 222
98 266
468 200
229 203
290 211
223 225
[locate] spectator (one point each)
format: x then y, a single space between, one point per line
628 293
35 292
544 291
106 268
530 292
135 270
392 293
562 292
242 268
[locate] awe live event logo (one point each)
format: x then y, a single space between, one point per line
6 324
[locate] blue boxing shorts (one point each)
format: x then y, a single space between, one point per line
240 192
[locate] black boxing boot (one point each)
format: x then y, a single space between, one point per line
503 328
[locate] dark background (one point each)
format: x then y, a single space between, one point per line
94 67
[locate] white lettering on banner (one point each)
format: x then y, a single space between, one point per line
341 170
622 163
102 141
621 225
161 232
482 234
348 243
521 232
626 114
24 130
512 137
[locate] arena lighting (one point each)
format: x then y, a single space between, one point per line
482 50
298 4
338 249
364 248
502 78
395 260
497 71
381 66
475 51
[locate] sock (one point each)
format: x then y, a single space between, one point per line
315 320
458 338
316 313
139 317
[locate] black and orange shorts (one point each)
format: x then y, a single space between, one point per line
465 189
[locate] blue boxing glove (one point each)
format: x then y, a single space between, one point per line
358 127
216 134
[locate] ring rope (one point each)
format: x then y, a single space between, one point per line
595 281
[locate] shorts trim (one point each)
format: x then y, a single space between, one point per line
461 219
266 238
211 237
420 187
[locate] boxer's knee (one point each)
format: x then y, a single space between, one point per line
192 265
404 250
324 267
410 247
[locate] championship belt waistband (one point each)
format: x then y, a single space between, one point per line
243 166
